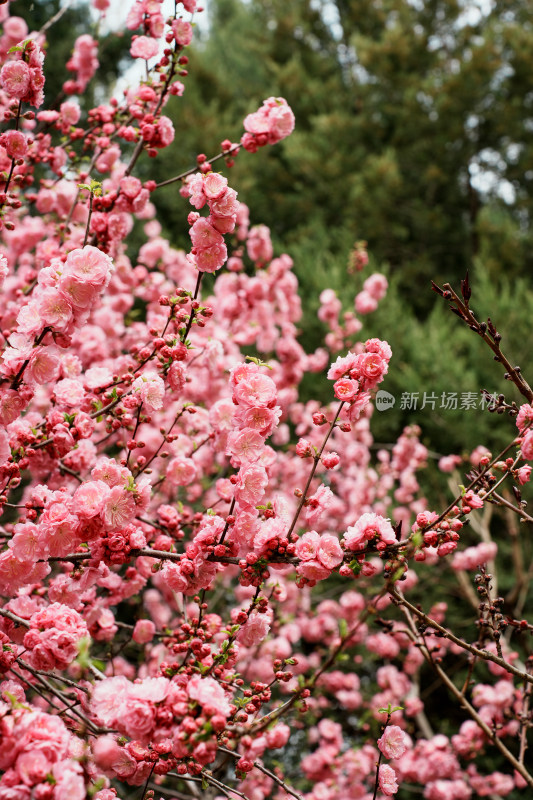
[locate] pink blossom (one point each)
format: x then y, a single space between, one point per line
54 635
204 235
278 736
15 144
182 31
4 269
69 392
387 780
342 366
5 450
318 503
367 527
307 545
254 630
455 789
329 551
215 187
84 63
226 205
144 47
15 28
259 244
376 285
345 389
251 484
70 112
524 416
143 631
372 366
281 121
54 309
89 265
118 508
78 293
89 498
472 557
449 463
181 471
524 474
313 570
256 390
209 694
394 742
526 447
209 259
165 132
11 405
15 78
364 303
245 446
151 389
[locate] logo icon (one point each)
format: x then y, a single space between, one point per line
384 400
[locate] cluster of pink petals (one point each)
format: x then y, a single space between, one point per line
374 289
54 637
393 742
84 62
39 755
473 557
209 251
319 555
273 122
22 78
369 527
358 373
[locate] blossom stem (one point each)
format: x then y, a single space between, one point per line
316 460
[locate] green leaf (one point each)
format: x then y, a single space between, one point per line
258 362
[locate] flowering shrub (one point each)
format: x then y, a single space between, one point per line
168 504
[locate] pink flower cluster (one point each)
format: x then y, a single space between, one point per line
22 78
65 294
184 715
356 374
472 557
273 122
54 637
84 62
39 757
209 252
369 528
374 290
319 555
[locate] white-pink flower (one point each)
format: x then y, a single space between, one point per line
119 508
209 694
144 47
181 471
394 742
367 527
254 630
90 265
151 389
387 780
329 551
